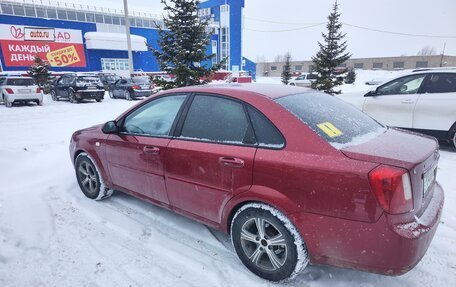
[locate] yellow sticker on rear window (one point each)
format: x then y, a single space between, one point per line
330 129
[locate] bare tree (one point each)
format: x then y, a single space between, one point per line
427 51
278 58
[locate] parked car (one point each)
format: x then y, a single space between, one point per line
294 175
423 101
131 88
50 84
18 89
108 79
76 88
304 80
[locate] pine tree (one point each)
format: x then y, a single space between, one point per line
286 73
351 77
39 71
331 55
183 45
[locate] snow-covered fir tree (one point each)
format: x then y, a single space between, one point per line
183 45
286 73
351 77
331 55
39 71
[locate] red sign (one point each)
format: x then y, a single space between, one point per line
60 47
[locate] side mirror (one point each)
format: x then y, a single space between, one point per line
371 94
110 127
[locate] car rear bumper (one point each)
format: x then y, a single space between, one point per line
382 247
141 93
89 94
25 97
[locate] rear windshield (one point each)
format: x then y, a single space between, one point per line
88 79
20 82
141 80
339 123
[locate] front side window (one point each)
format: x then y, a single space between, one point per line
216 119
339 123
441 83
154 118
404 85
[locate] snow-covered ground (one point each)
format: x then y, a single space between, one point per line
51 235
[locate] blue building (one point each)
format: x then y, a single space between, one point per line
84 38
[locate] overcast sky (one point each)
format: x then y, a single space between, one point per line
436 17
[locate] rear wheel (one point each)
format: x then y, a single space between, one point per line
267 242
54 96
111 95
72 97
99 100
128 96
8 104
39 103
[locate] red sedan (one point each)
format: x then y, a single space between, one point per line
294 175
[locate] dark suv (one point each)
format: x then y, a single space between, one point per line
77 88
131 88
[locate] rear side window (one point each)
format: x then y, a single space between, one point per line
266 133
216 119
339 123
20 82
441 83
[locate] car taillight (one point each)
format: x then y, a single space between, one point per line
136 87
9 91
38 90
392 188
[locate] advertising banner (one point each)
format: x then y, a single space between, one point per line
60 47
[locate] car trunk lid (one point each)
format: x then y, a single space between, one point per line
419 154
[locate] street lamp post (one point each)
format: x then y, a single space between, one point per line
127 28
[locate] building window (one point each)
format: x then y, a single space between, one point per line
18 10
108 64
107 19
71 15
61 14
30 11
7 9
377 66
225 46
273 68
99 18
41 12
80 16
115 20
298 67
359 65
90 17
421 64
51 13
398 65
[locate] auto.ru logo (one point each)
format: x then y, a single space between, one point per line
17 32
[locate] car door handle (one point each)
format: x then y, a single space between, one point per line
231 161
151 150
409 101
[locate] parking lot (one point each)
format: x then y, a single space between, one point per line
53 234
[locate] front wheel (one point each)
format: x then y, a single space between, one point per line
111 95
267 243
128 96
89 178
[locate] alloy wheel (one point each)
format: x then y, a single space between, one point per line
88 178
263 244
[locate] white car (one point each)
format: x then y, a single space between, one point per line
423 101
304 80
14 89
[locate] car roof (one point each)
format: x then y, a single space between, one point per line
433 70
16 77
272 91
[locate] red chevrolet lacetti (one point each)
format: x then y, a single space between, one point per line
294 175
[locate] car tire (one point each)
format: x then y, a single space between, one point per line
292 84
8 104
98 100
111 95
453 138
39 103
54 96
128 95
89 178
274 252
72 97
